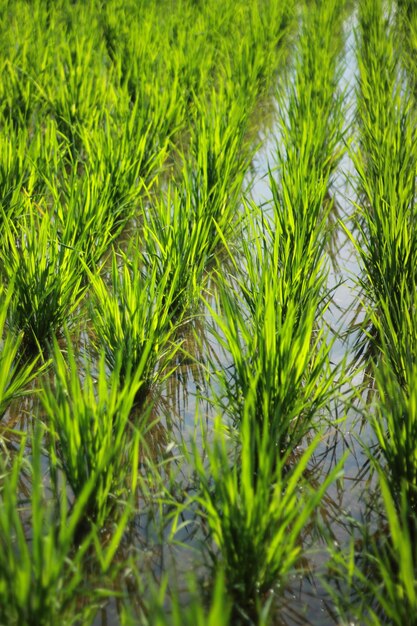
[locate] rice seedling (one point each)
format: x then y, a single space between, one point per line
177 247
132 320
406 16
14 173
378 575
256 507
253 61
194 58
143 43
219 159
268 325
25 49
91 210
15 373
41 571
126 154
28 163
80 89
44 276
89 418
394 423
312 120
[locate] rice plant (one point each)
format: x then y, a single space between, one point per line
14 170
268 324
406 15
78 83
95 441
41 570
124 156
394 423
25 49
153 611
378 579
219 159
132 319
91 210
256 61
15 372
256 508
177 245
312 132
45 278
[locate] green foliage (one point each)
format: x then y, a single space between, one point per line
312 133
177 249
386 161
256 505
280 368
95 440
130 136
132 321
41 570
394 422
218 161
15 372
45 278
154 612
378 581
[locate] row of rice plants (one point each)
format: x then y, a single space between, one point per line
267 315
382 573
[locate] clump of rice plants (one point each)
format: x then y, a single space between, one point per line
312 120
256 507
406 15
25 48
123 157
279 352
15 372
132 320
218 160
90 211
253 62
41 572
95 440
177 249
14 170
377 575
45 277
394 423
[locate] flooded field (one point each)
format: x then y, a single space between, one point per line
208 254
